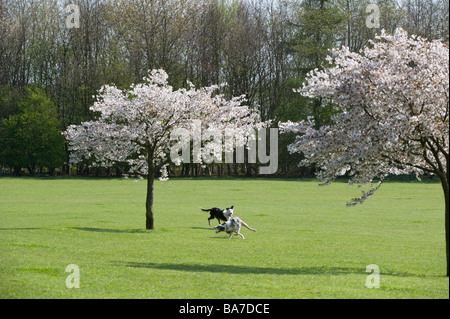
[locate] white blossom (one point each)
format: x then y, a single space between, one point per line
392 103
134 125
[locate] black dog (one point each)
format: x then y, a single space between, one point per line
220 214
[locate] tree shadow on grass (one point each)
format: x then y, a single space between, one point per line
91 229
110 230
233 269
20 228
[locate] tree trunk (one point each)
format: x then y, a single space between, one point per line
445 186
447 233
149 223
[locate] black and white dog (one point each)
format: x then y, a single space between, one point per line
220 214
233 226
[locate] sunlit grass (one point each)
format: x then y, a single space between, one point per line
308 244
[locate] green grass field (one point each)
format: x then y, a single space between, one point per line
308 244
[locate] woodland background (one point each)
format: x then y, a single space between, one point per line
49 73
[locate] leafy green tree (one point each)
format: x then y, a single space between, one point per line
30 138
316 30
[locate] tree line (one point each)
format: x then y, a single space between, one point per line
50 73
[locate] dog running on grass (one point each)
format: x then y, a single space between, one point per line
220 214
233 226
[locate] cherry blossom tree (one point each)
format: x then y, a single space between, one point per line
392 114
135 125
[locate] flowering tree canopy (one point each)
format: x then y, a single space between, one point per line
134 125
392 113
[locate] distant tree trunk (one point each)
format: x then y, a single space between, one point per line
31 169
17 171
149 223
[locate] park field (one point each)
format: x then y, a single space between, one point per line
308 243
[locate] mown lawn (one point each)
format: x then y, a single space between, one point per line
308 244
